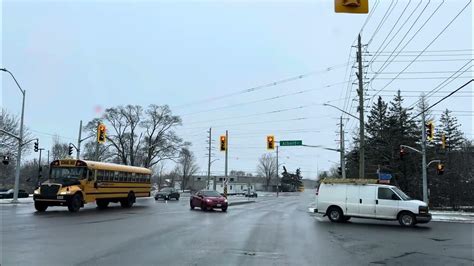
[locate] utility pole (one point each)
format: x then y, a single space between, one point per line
209 162
79 141
423 153
360 91
341 147
277 177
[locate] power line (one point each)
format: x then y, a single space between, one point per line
384 18
437 36
394 25
256 114
442 99
263 100
264 86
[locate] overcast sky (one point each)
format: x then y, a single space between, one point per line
75 56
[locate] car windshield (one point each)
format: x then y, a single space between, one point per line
62 173
210 194
402 194
166 189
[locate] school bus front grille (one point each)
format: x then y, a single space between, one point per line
49 190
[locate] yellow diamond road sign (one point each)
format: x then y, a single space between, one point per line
351 6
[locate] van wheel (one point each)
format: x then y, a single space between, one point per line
75 203
128 202
335 214
40 206
406 219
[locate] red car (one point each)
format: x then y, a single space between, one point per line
208 200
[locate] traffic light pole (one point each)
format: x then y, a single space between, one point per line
39 167
226 160
79 141
423 157
278 178
97 145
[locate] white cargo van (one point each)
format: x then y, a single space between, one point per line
341 199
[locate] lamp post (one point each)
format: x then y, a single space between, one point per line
361 149
20 140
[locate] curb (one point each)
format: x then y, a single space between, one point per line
241 202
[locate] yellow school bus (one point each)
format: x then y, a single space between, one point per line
73 183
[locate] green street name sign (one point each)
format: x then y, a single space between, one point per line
291 142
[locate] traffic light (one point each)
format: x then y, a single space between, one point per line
270 142
223 142
430 131
36 146
339 170
70 150
402 153
6 159
101 133
351 6
440 169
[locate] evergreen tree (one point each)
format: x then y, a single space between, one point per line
448 125
404 131
377 138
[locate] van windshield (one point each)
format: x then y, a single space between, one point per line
402 194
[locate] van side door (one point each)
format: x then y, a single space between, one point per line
352 200
367 197
387 203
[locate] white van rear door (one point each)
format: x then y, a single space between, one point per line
367 196
352 200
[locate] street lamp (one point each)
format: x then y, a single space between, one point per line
327 104
20 140
362 145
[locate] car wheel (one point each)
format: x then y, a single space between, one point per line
128 202
177 197
406 219
335 214
75 203
102 204
40 206
224 209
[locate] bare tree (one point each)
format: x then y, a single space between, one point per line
137 137
161 142
186 166
59 150
267 168
158 169
9 144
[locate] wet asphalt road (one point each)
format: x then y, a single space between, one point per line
273 231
